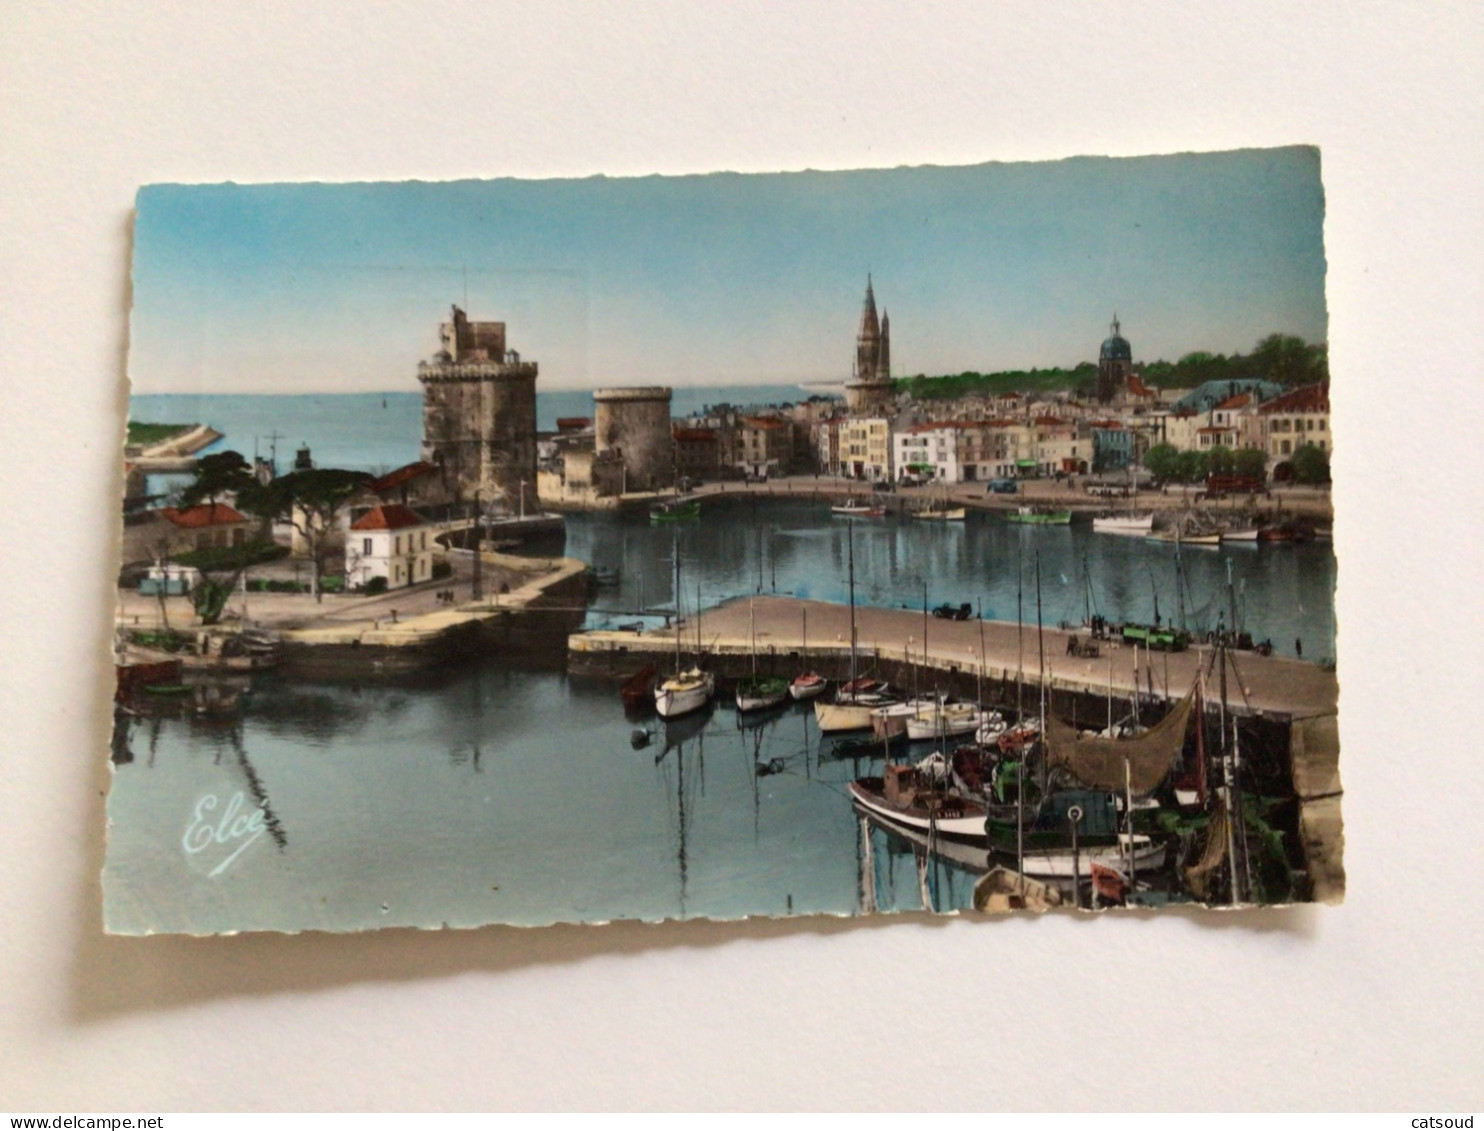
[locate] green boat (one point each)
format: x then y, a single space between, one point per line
676 510
1040 516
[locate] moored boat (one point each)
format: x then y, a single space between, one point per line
638 690
810 685
676 510
943 514
910 797
1040 516
948 720
852 509
683 693
1123 523
759 692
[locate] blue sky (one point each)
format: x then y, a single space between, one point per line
728 279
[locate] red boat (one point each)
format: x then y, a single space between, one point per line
638 690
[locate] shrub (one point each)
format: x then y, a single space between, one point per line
374 586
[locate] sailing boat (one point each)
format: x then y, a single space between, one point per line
941 511
853 703
810 684
759 692
688 689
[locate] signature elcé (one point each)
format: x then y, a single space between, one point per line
233 827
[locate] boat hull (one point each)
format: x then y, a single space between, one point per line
964 822
949 723
840 716
805 688
676 697
1124 524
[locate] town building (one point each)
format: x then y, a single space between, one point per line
157 535
869 389
1296 418
865 448
390 541
479 414
928 451
697 453
766 445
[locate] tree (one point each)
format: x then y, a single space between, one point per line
1289 361
1252 463
309 500
1221 461
1163 462
1310 465
225 473
1193 467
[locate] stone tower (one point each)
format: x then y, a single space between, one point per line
869 389
635 423
479 413
1115 363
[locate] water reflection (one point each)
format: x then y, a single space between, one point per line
741 547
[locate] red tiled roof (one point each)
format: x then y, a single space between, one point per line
573 423
1309 398
763 422
1137 387
206 514
402 475
1241 400
1050 421
694 435
389 516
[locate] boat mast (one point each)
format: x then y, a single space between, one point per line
1041 646
979 689
850 542
675 541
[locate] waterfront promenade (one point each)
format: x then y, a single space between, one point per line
1308 502
1271 685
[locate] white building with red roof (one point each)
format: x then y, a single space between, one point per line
928 451
390 541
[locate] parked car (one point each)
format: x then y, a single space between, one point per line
1002 487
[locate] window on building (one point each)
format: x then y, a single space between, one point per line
366 546
1285 447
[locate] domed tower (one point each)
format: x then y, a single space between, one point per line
1115 363
869 389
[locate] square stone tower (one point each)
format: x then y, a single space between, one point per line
479 413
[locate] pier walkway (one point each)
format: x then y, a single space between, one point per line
1269 685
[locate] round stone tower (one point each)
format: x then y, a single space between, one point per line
635 423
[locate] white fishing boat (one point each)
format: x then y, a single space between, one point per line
1240 534
943 514
1123 523
907 797
849 710
891 719
991 729
853 509
688 689
683 693
948 720
810 685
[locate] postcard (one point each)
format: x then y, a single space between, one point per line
946 539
